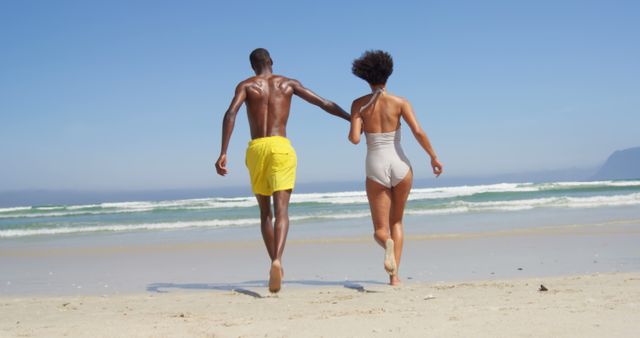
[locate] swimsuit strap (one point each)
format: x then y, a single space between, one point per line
373 98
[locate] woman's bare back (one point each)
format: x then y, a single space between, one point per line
383 115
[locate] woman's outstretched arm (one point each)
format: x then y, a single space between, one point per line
410 117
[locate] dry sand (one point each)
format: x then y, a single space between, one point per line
598 305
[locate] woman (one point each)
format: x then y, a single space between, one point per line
389 173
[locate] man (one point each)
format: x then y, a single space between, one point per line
270 158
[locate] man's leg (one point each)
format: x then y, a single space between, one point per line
281 206
264 202
281 228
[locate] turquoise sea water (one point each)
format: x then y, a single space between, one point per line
218 212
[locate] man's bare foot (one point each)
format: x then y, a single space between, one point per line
389 258
275 276
394 280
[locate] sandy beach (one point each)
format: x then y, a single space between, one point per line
596 305
463 276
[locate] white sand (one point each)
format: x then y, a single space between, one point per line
597 305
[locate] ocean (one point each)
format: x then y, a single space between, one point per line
223 213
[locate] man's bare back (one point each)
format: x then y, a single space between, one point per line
268 100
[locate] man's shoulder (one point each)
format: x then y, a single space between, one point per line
248 81
255 79
282 78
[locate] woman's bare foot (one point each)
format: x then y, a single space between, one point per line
275 276
389 258
394 280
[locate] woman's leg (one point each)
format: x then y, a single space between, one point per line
399 195
380 204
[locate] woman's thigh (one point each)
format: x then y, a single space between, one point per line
379 202
399 196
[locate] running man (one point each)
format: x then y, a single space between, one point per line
270 158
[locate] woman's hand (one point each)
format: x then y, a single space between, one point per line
437 166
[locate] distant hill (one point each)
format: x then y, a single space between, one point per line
622 164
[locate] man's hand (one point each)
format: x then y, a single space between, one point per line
221 165
437 166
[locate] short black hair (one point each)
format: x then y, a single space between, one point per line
374 66
260 57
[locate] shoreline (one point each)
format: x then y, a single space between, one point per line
631 226
118 264
592 305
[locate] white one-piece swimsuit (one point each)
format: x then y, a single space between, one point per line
386 163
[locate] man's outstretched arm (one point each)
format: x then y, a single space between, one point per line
228 122
311 97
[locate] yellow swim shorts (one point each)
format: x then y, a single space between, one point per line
272 164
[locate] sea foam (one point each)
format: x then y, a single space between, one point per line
218 212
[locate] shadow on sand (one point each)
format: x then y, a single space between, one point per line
242 286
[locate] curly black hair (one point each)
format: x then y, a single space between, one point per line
374 66
260 57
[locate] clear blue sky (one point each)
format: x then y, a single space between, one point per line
130 94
